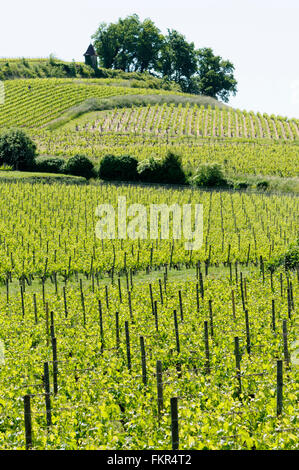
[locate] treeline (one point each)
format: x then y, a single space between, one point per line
134 46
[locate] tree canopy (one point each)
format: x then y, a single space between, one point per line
134 46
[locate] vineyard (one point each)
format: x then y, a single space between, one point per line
33 103
36 102
140 344
130 344
237 157
244 143
193 121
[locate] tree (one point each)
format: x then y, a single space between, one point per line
128 33
17 149
116 44
214 76
135 46
149 44
107 44
178 59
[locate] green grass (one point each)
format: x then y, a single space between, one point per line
141 277
33 177
275 183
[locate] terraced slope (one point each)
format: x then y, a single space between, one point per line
32 103
196 121
36 102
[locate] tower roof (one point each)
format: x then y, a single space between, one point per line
90 51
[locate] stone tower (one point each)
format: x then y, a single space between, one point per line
91 57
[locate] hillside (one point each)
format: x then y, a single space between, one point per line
55 68
96 116
35 102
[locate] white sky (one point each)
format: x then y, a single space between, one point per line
260 38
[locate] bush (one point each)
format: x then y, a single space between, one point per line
49 165
171 169
150 170
79 165
240 185
17 149
263 185
123 168
290 259
209 175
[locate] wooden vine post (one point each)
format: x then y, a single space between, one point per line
159 387
174 423
128 345
47 393
207 349
55 365
238 365
28 422
143 360
279 387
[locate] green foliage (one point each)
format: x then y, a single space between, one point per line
32 103
131 45
5 167
150 170
264 184
123 168
214 76
289 260
171 169
49 164
178 59
149 44
209 175
43 68
241 185
48 246
17 149
79 165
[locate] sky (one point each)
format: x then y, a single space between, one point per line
260 37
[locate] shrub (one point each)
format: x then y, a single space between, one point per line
79 165
123 168
290 259
171 169
17 149
263 185
150 170
49 165
240 185
210 175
